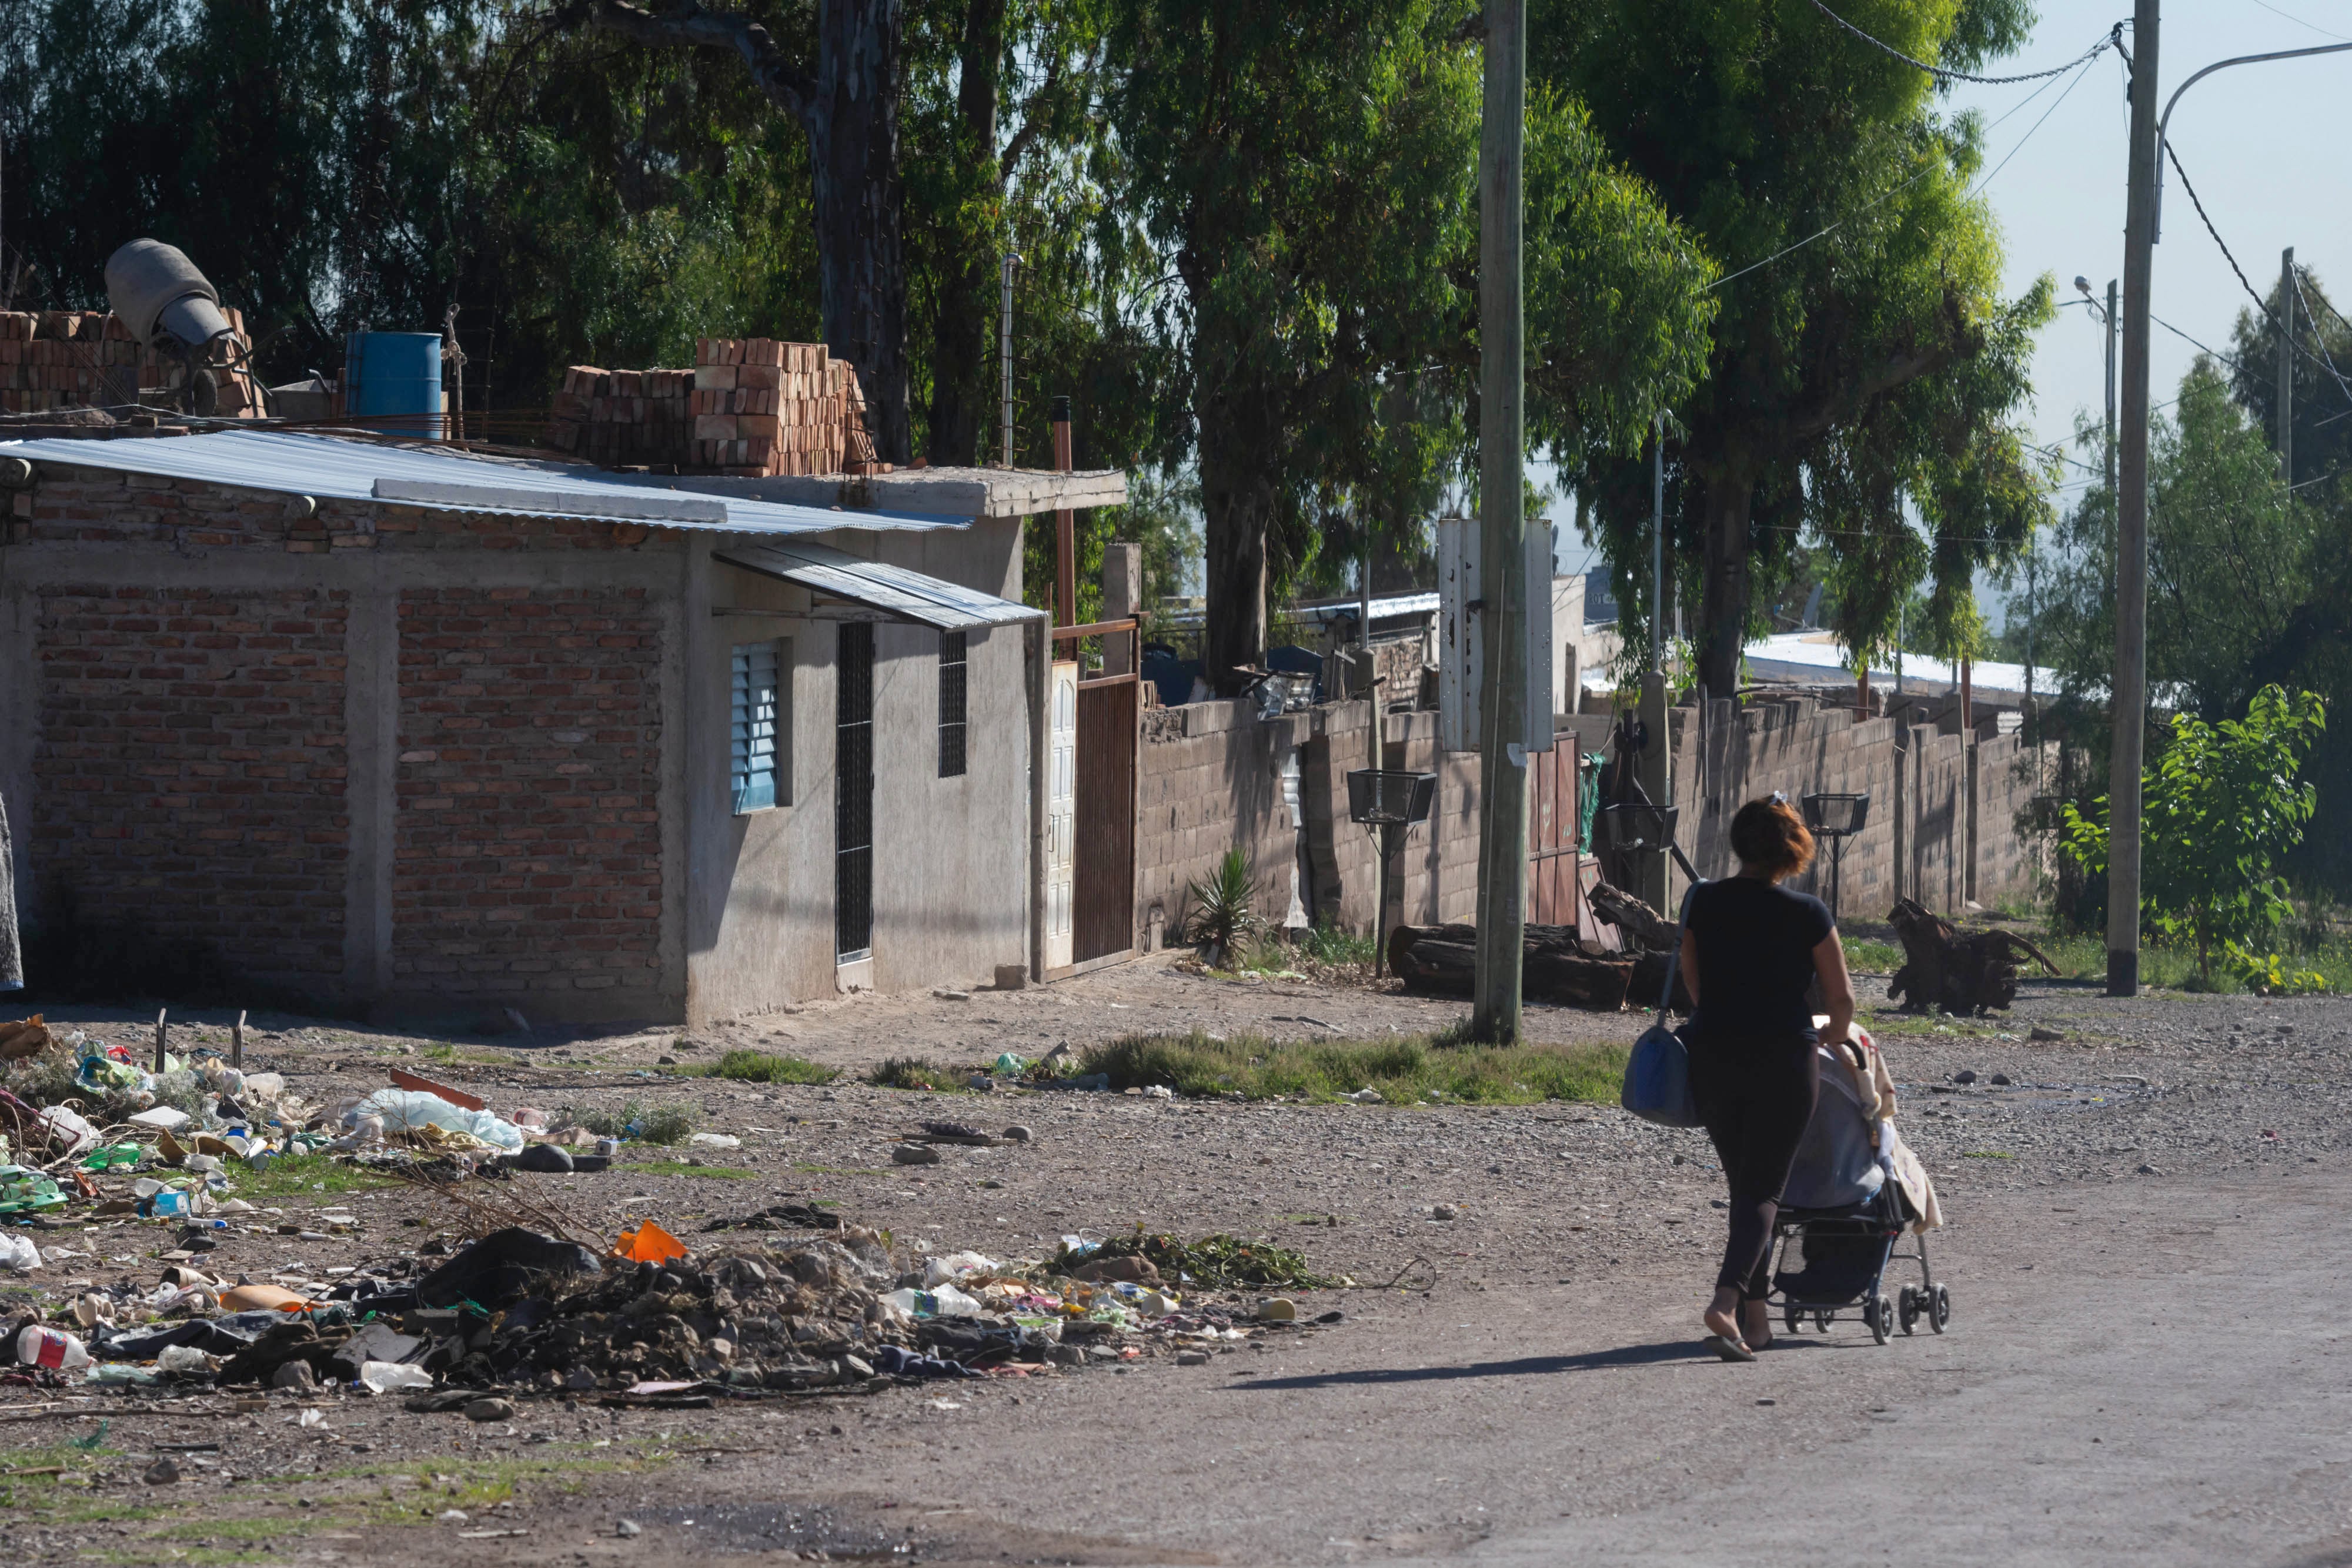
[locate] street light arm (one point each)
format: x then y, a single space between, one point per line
2165 120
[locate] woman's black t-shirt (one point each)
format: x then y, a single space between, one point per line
1755 943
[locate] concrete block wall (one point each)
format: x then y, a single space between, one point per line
1216 784
1923 787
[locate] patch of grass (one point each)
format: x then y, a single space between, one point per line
760 1067
1336 945
1873 957
1987 1155
233 1529
1403 1069
668 1122
1216 1262
103 1513
914 1073
680 1168
301 1176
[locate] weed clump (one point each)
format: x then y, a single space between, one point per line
1402 1070
669 1123
764 1067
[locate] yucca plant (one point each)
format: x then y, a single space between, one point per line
1224 907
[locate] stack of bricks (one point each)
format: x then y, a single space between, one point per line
624 418
751 407
61 358
765 407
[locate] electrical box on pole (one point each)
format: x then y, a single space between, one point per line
1461 638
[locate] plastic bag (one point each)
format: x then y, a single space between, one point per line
386 1376
18 1255
402 1109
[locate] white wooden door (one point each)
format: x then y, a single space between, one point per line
1062 819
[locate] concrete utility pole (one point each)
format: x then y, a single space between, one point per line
2287 367
2111 386
2128 695
1655 874
1502 485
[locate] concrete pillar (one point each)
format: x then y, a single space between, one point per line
1122 596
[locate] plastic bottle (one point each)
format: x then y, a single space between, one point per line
52 1348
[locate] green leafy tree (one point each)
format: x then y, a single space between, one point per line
2222 808
1307 180
1865 369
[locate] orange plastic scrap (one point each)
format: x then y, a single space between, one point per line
263 1298
647 1242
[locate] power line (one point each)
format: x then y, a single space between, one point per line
1898 190
2299 21
1942 74
2294 276
2036 126
2260 304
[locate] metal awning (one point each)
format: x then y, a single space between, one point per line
902 595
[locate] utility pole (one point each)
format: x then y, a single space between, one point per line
1655 877
2287 367
2111 390
2128 691
1502 485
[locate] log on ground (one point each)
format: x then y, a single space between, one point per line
1442 960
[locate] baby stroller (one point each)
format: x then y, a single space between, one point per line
1843 1216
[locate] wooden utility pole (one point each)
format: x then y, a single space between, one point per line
2286 318
1503 587
2130 692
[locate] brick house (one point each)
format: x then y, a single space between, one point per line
399 731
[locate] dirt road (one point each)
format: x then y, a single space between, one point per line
2146 1365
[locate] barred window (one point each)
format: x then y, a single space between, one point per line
755 757
951 704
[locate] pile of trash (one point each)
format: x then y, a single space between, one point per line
519 1310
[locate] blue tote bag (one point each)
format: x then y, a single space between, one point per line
1657 1075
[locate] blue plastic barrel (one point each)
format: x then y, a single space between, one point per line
390 374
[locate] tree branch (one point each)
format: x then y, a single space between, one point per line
686 24
1040 104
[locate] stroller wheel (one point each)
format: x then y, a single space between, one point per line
1821 1316
1881 1312
1793 1317
1939 1309
1906 1307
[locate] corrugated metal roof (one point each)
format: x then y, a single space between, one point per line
1339 610
296 463
895 591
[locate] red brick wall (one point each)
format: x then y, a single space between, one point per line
528 852
94 506
189 778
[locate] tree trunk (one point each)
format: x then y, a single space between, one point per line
849 109
1237 507
968 293
1722 632
852 129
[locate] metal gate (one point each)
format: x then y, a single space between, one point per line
1061 816
1559 871
1107 737
853 794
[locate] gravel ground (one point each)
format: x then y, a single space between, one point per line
1525 1379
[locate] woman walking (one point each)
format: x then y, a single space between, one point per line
1751 950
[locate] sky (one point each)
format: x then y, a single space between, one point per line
2264 144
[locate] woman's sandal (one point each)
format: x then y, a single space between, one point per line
1728 1349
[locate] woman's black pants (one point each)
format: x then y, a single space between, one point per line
1755 1096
